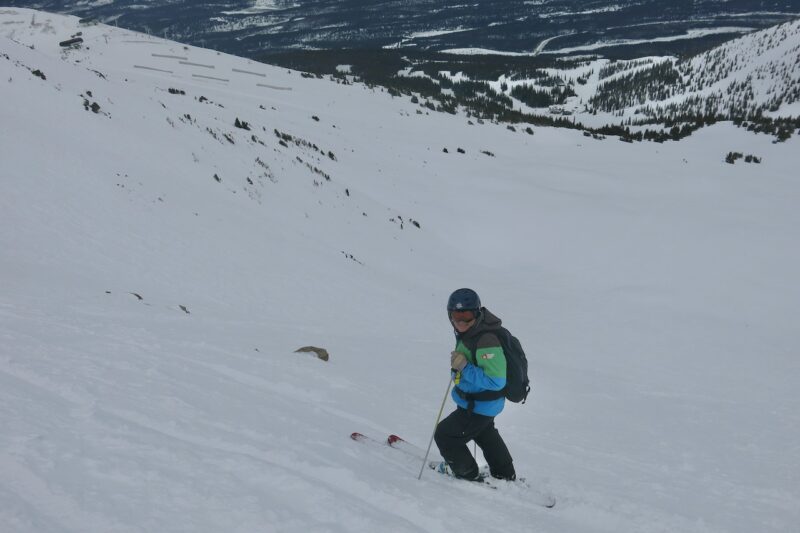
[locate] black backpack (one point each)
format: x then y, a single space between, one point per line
517 383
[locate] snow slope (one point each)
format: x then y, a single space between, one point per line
149 312
757 73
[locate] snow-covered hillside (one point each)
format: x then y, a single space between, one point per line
757 70
176 222
758 73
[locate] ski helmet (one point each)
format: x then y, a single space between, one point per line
464 300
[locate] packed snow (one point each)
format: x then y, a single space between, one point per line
161 266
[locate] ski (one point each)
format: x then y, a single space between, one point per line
360 437
544 499
401 444
520 485
393 441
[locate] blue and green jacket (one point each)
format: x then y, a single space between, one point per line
486 368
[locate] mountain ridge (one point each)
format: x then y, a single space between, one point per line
754 75
244 27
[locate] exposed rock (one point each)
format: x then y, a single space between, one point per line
322 353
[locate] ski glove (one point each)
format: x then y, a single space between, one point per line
457 361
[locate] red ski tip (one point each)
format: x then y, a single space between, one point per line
394 438
356 436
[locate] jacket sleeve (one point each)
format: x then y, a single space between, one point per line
489 370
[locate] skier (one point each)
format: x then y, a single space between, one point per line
479 379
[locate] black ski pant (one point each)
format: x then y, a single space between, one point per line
454 432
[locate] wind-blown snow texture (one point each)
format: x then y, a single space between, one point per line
653 286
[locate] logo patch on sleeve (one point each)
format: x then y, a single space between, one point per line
487 356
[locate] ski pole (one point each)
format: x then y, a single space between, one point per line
439 416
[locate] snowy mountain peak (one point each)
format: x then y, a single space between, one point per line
757 72
749 77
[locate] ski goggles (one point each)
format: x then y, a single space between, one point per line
465 317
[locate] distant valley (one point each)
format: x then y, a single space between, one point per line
621 28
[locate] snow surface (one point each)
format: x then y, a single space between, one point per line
653 286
